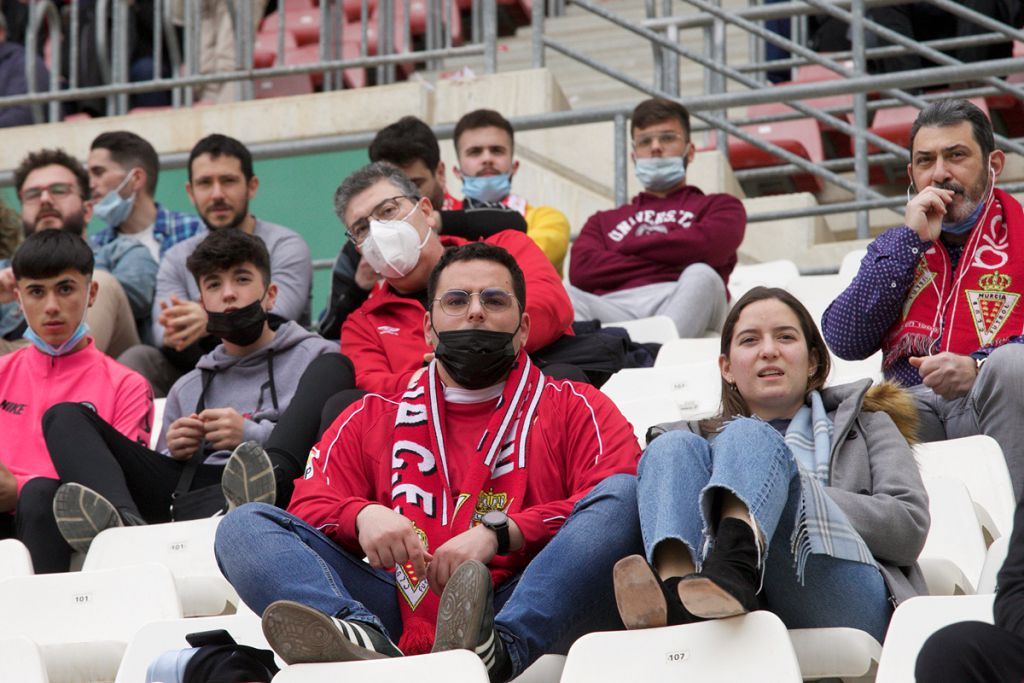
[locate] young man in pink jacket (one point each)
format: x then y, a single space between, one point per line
53 273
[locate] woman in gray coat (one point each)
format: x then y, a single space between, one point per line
798 499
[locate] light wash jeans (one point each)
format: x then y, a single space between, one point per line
679 475
565 592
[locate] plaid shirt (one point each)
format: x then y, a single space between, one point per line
170 228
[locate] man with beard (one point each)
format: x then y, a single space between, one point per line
52 187
220 184
940 295
489 499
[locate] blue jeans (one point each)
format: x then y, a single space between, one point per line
678 479
563 593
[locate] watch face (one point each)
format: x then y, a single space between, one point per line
494 518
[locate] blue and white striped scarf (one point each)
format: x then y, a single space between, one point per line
821 527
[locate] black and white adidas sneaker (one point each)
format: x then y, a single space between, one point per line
301 635
465 619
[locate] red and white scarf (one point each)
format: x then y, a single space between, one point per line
440 508
974 308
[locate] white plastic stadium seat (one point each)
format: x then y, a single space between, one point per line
816 292
14 559
978 462
158 637
955 544
457 665
752 647
850 265
186 548
657 329
847 654
994 559
769 274
845 371
158 421
687 351
82 621
547 669
644 413
918 618
695 388
21 661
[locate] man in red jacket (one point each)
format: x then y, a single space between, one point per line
482 472
671 249
382 341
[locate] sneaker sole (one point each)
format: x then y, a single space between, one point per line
303 635
637 594
462 608
81 514
248 477
704 598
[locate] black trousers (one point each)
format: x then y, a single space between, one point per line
326 388
87 450
33 524
971 652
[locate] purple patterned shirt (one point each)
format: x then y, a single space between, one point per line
855 324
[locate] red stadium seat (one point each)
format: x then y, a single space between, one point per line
799 136
282 86
302 23
264 52
894 123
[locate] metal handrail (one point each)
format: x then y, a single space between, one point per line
38 10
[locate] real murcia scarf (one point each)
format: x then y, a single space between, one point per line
821 527
422 488
975 307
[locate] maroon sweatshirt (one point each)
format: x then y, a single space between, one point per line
652 239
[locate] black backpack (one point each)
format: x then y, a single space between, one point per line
214 657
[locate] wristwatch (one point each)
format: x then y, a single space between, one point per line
497 521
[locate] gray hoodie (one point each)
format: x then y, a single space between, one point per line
247 383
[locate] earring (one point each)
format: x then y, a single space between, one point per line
732 387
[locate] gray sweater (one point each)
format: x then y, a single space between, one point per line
291 269
247 383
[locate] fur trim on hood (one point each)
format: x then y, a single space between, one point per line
893 399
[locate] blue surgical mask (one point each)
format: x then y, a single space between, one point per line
113 209
487 188
65 347
963 227
658 174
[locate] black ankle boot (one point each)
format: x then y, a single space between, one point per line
727 583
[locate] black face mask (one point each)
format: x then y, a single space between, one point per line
242 326
476 359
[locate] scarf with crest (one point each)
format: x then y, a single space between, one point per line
441 508
975 307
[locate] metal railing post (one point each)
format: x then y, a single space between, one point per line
537 34
490 36
670 60
621 161
860 115
38 10
121 56
191 46
651 12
